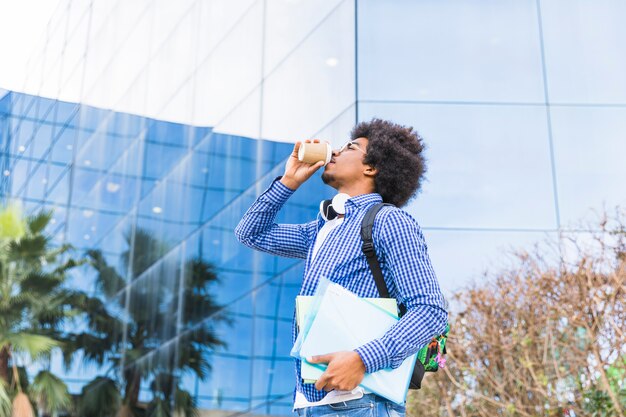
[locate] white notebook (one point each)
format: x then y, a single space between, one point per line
309 373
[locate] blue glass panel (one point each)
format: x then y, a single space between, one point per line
263 389
283 337
55 171
19 174
42 140
267 299
283 407
58 189
161 158
45 109
325 57
63 148
455 50
288 295
23 135
85 180
460 258
6 102
37 181
126 125
169 133
93 118
584 46
283 35
229 383
488 166
66 113
30 107
264 337
589 149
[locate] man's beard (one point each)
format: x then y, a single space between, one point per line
327 178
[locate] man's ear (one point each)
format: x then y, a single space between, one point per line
370 171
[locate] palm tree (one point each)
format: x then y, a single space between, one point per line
34 306
100 398
154 326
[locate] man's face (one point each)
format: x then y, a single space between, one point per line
346 165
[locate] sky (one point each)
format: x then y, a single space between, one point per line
22 28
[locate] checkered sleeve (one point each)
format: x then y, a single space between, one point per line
258 230
402 245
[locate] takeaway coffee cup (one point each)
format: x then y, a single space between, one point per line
312 153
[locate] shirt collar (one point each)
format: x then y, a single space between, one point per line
354 204
361 201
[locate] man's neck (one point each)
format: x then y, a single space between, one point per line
355 190
354 193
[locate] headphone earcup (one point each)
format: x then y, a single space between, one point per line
339 203
330 209
327 211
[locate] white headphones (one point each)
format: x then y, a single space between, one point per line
330 209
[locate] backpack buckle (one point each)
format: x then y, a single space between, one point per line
368 248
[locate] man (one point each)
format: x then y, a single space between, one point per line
382 162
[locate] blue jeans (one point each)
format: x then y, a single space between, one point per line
370 405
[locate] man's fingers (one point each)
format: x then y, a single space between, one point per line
296 147
322 382
317 165
320 358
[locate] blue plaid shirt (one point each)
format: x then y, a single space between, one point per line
403 258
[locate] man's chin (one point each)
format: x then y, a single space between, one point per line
327 178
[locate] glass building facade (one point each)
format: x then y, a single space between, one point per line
169 118
113 178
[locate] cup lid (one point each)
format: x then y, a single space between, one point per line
329 153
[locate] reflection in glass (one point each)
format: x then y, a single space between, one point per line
155 322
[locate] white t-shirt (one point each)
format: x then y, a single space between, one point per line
323 234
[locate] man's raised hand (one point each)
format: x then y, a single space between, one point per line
296 171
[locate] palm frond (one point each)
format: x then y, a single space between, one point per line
194 359
67 265
108 281
200 273
40 282
184 403
53 253
5 400
100 398
39 221
17 302
95 349
33 344
146 250
29 249
50 392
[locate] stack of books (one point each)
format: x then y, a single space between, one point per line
335 320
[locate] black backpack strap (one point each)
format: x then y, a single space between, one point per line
368 248
370 253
